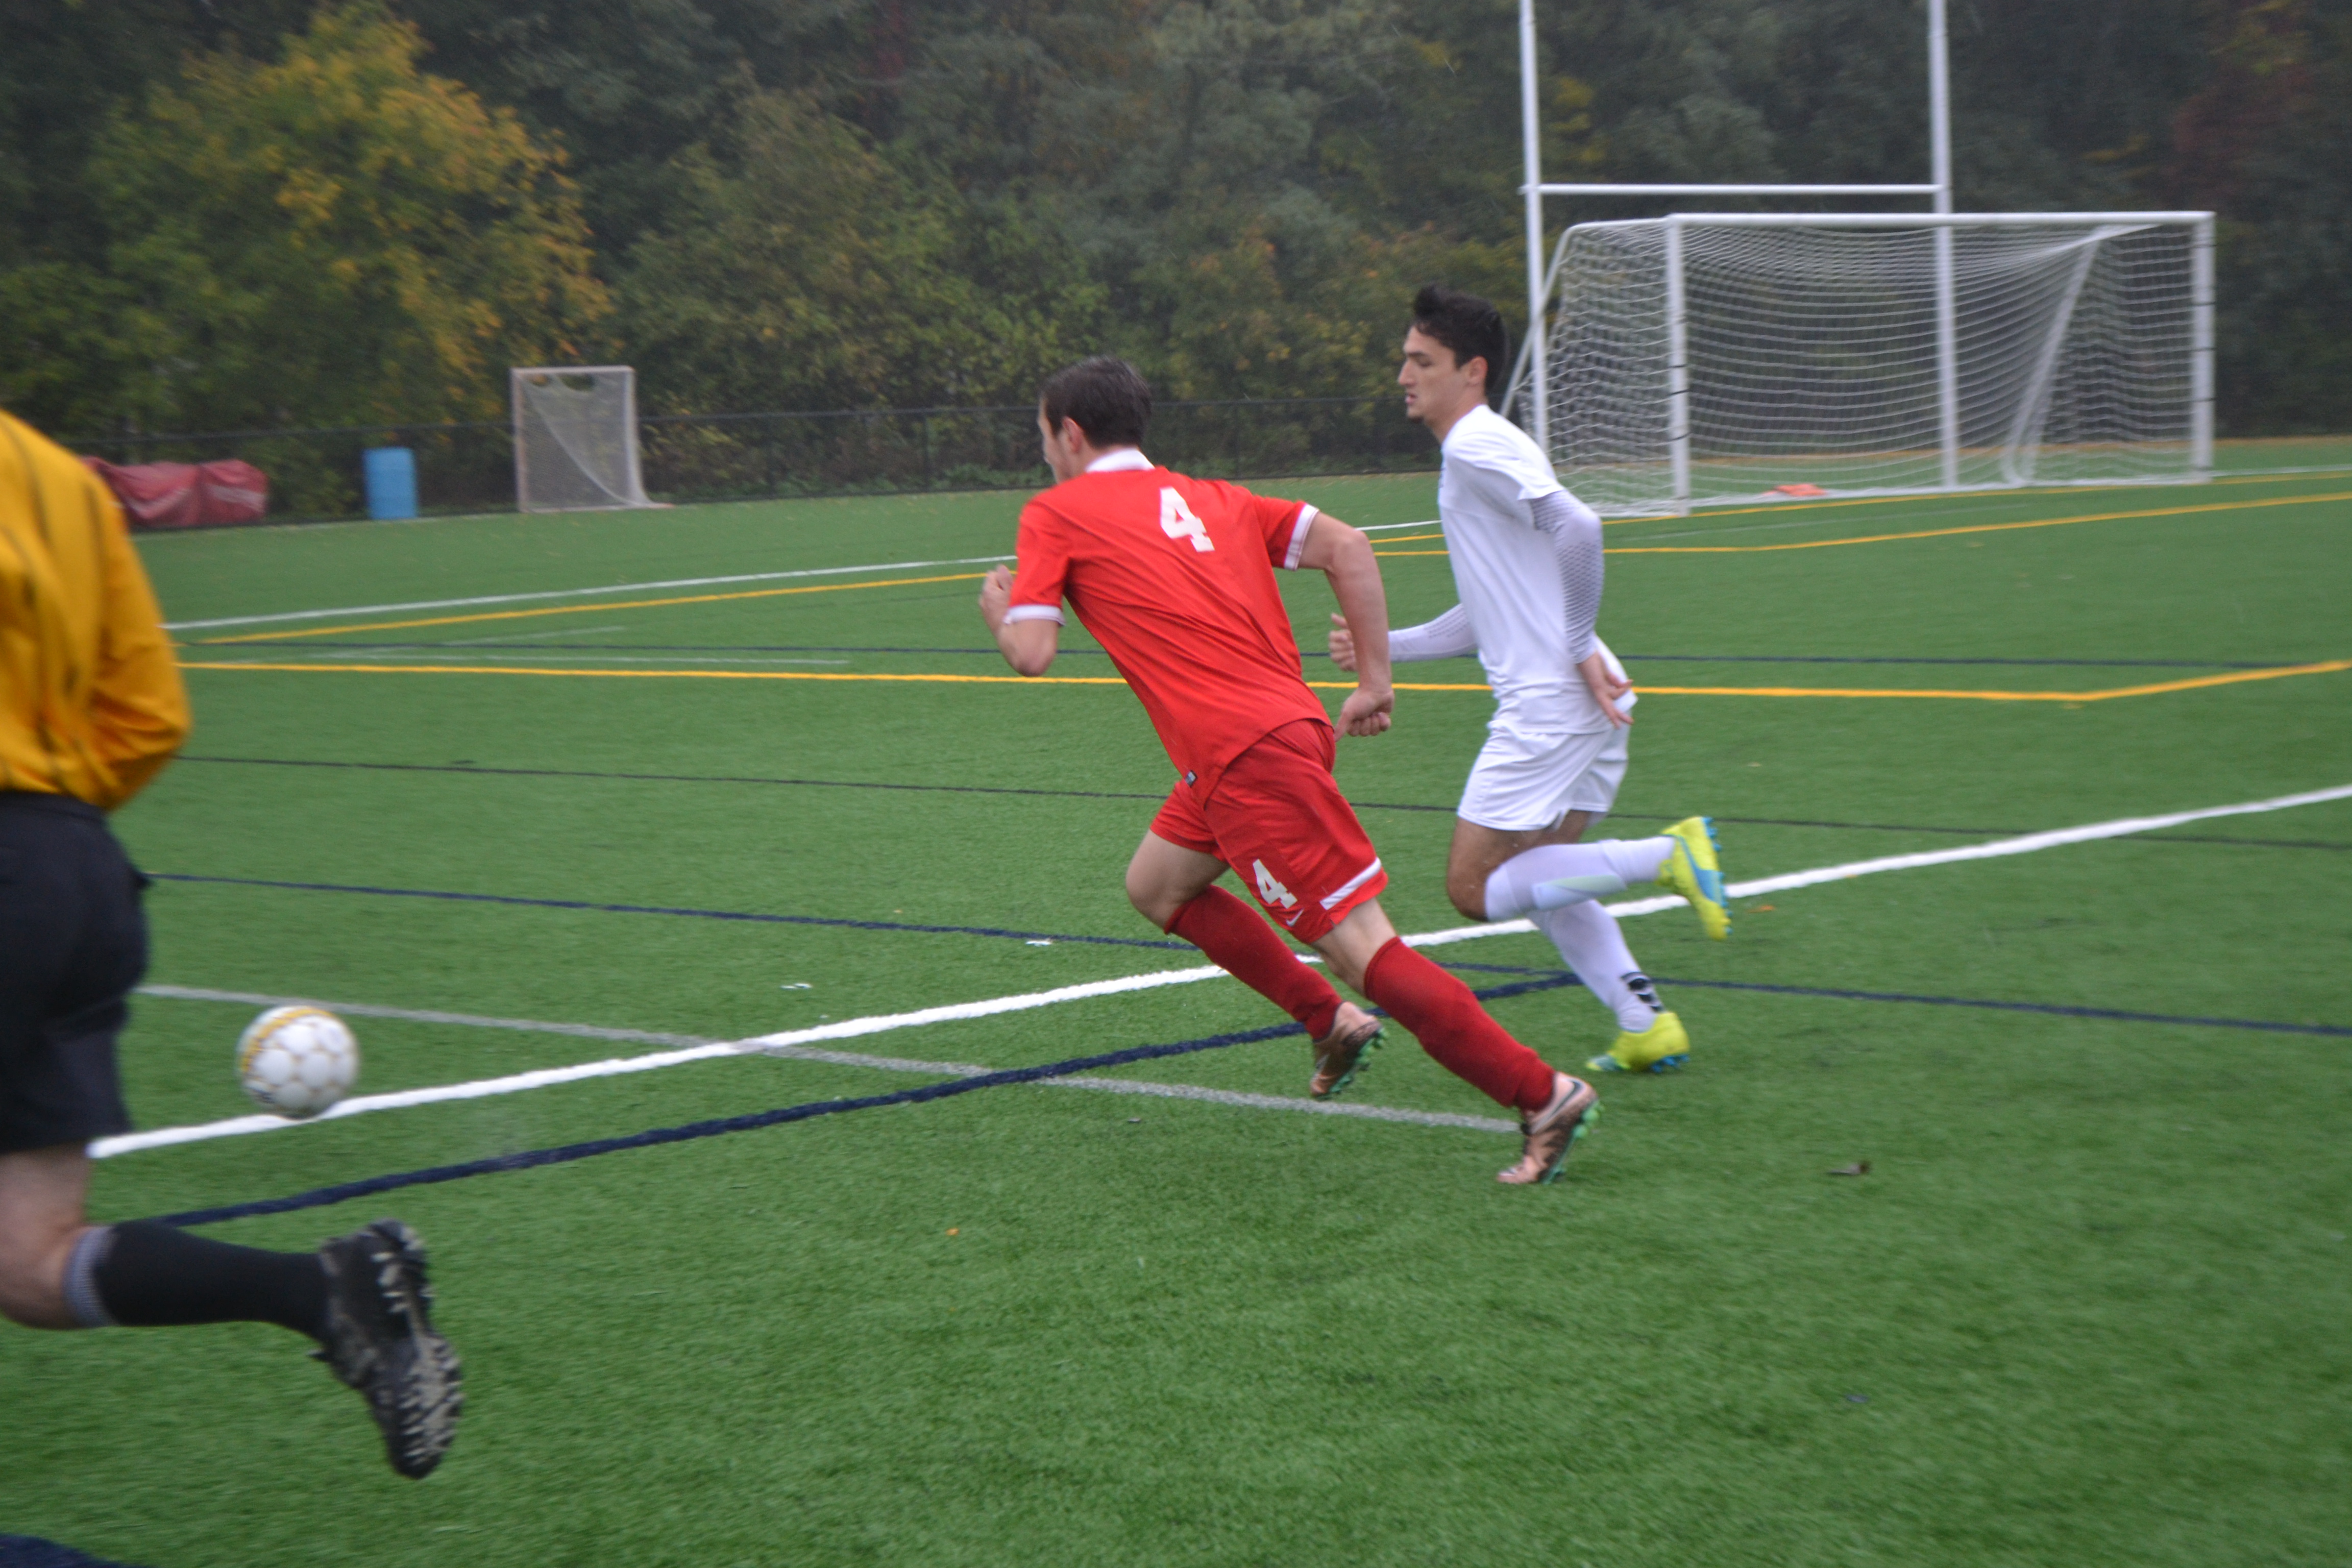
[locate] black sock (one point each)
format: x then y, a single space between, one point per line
154 1273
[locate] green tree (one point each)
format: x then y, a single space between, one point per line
1220 166
2268 144
335 236
798 266
903 203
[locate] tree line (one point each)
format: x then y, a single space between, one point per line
238 213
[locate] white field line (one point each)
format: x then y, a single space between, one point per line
421 1016
776 1044
791 1042
569 592
1283 1102
694 1049
2028 844
617 588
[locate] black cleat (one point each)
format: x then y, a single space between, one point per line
379 1339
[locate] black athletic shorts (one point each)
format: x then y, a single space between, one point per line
73 942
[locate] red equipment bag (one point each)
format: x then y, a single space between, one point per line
186 495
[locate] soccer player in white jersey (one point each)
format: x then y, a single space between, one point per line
1526 563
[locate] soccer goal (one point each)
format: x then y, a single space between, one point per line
575 438
1704 358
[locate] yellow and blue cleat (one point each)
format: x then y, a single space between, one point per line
1663 1046
1693 871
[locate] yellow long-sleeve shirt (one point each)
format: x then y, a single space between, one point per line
91 700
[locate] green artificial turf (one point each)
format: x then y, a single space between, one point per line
2083 1309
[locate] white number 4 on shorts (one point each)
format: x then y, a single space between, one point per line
1269 891
1177 521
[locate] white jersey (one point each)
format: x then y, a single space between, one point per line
1508 573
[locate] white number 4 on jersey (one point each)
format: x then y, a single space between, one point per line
1177 521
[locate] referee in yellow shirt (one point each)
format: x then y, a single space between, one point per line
90 709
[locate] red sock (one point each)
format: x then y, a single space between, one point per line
1450 1025
1245 947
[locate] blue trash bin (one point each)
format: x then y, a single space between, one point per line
391 482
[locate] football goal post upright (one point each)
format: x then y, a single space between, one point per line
2200 432
575 438
1939 169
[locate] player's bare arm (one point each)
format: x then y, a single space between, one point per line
1345 558
1029 646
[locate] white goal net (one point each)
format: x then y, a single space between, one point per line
1702 359
575 438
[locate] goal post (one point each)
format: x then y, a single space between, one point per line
1711 357
575 438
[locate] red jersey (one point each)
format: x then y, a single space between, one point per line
1174 576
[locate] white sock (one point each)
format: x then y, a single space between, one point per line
1553 875
1639 860
1591 944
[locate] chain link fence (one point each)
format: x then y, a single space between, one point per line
314 475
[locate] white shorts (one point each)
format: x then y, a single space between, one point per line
1523 782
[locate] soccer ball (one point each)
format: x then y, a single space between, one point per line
298 1061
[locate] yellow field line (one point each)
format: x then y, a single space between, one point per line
2329 667
669 674
935 678
2018 494
1972 528
2198 682
591 609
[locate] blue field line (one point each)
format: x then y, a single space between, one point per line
321 1197
659 910
754 917
2112 1014
683 778
32 1552
1313 653
487 772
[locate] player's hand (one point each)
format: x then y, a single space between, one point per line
995 595
1606 688
1343 644
1368 710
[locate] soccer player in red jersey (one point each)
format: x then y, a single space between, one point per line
1175 577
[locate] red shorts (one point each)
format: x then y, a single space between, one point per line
1279 820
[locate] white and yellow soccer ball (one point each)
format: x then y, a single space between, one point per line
298 1061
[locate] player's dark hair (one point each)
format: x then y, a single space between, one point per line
1109 397
1471 327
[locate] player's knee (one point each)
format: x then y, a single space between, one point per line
1149 899
31 1286
1467 890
